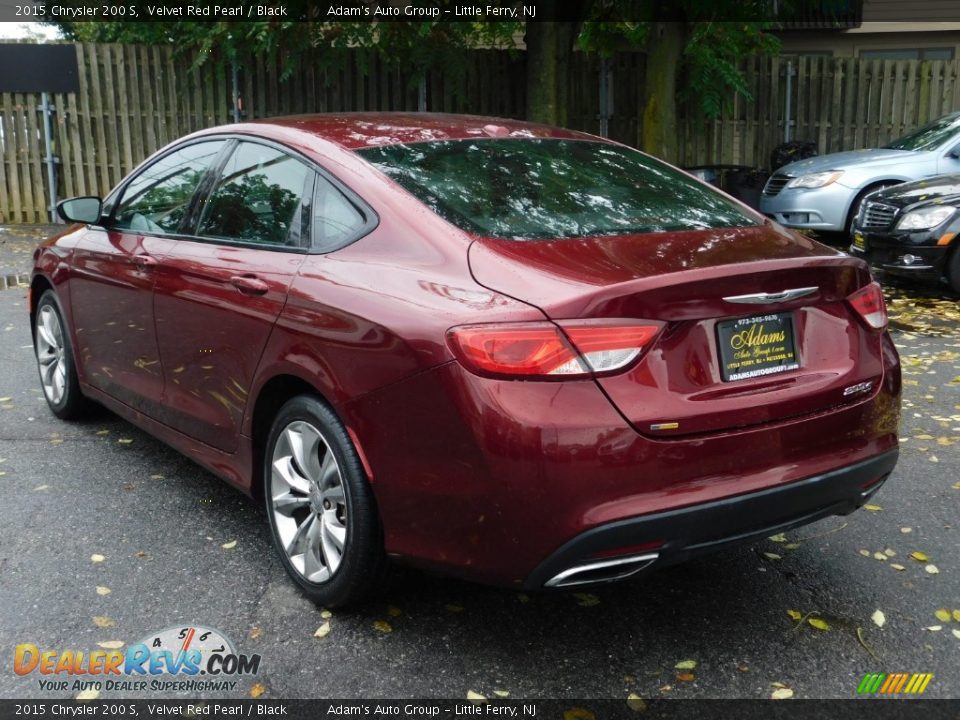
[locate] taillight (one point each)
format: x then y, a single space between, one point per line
544 350
869 304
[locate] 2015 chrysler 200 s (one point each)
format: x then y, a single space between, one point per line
515 353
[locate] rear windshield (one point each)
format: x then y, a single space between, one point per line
528 189
929 137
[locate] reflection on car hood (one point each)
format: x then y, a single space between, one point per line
942 190
846 160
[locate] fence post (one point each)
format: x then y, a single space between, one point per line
604 97
788 111
47 109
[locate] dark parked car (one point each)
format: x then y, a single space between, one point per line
515 353
910 230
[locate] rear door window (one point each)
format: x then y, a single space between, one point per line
257 198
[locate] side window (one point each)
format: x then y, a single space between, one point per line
256 198
157 199
335 219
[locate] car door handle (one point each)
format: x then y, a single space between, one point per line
249 284
144 261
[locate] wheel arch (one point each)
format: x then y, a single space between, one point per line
870 187
38 286
270 397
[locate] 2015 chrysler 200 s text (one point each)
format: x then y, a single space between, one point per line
515 353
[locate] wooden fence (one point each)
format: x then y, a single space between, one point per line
836 103
135 99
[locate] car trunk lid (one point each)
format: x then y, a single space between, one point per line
694 282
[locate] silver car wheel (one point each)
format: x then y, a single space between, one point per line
50 354
308 502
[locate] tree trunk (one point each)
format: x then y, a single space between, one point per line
549 50
664 55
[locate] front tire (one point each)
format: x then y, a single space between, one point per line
953 270
55 360
323 516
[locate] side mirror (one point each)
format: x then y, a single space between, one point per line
954 153
81 210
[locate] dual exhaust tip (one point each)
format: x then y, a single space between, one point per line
602 571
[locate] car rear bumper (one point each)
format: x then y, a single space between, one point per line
670 537
487 479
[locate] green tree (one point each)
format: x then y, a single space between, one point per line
693 49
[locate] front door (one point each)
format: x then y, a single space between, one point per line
114 270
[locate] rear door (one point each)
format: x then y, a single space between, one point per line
114 271
219 294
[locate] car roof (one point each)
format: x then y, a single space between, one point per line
358 130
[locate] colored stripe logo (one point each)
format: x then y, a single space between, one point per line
894 683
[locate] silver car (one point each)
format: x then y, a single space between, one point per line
824 193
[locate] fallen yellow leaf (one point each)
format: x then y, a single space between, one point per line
932 569
111 644
255 632
97 557
897 567
685 665
772 556
795 614
89 694
879 619
686 677
586 599
636 703
919 556
778 538
818 624
956 615
326 614
229 545
872 508
103 590
943 615
322 631
783 693
125 441
257 690
101 621
475 697
382 626
502 693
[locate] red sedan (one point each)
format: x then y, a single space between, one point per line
515 353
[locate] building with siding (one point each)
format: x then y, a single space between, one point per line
880 30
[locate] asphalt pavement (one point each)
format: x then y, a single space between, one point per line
107 535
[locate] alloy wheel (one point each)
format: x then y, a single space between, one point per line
308 502
51 354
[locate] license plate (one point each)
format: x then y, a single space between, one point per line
756 346
859 241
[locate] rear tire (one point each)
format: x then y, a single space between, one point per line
323 516
55 360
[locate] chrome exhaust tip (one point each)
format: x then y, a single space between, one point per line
602 571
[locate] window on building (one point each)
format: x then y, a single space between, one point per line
942 53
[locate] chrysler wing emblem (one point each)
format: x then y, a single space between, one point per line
774 297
